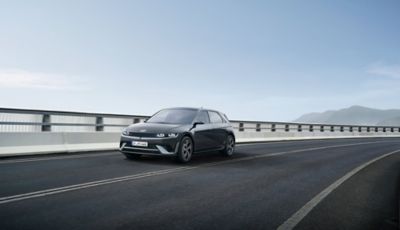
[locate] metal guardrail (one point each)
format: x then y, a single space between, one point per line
42 120
260 126
59 121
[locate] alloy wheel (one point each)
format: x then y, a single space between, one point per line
230 145
187 149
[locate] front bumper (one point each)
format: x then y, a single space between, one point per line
156 146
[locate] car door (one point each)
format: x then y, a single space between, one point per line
203 135
218 131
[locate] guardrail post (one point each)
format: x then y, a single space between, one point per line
299 128
46 127
99 124
273 127
322 128
311 128
136 120
258 127
241 127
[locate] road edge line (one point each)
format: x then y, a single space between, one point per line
298 216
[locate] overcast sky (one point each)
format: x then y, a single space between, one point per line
253 60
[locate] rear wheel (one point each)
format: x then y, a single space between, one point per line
229 146
185 150
132 156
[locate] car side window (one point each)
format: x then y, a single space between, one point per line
203 117
214 117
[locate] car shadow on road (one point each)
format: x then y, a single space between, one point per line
197 159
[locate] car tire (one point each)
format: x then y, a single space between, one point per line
132 156
229 146
185 150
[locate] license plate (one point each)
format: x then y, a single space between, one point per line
140 143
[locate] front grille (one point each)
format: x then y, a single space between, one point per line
141 150
137 134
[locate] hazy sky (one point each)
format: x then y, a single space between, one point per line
254 60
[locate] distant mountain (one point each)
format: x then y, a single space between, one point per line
354 115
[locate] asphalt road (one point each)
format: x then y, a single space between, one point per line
314 184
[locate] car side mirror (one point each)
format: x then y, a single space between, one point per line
197 123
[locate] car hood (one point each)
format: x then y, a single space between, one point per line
157 128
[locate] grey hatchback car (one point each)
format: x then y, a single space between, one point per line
179 132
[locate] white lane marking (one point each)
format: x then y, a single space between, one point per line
46 192
83 155
52 191
303 211
87 155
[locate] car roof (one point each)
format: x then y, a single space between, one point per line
193 108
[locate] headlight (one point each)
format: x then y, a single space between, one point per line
125 132
161 135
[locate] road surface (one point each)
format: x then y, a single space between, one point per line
311 184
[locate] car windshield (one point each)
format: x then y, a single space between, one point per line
174 116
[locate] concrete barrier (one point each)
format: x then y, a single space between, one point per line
279 136
13 144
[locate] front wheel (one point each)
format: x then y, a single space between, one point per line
185 150
229 146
